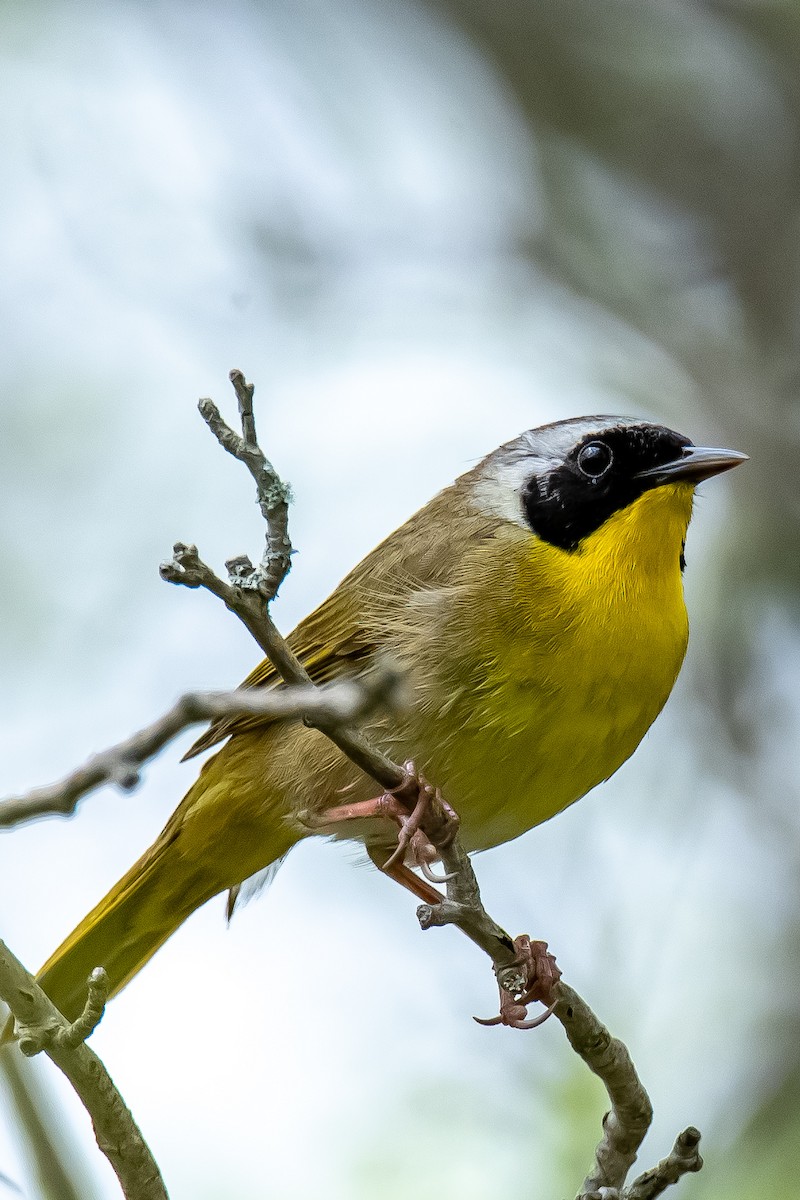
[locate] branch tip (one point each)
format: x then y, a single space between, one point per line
244 395
54 1034
83 1026
683 1159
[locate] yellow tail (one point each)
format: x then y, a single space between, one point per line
122 932
217 837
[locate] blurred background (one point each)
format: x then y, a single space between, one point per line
419 228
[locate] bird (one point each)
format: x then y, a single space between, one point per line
536 609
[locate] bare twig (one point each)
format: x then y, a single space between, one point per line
187 568
682 1159
631 1112
249 589
42 1027
273 493
77 1031
349 700
625 1126
464 909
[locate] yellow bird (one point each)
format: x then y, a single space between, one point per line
537 608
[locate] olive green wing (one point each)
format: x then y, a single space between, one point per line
328 645
341 635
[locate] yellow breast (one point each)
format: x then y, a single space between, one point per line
545 668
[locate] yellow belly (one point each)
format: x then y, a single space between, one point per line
570 658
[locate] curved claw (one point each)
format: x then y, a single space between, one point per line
432 877
397 856
514 1022
535 1021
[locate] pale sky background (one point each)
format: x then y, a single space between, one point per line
183 194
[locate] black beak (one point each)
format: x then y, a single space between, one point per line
695 464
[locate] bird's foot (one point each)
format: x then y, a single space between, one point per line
426 822
542 975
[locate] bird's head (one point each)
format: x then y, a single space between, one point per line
566 481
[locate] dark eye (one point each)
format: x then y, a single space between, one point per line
595 459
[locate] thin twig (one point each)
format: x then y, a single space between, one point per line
464 909
273 494
42 1027
625 1126
84 1025
249 589
188 569
348 700
682 1159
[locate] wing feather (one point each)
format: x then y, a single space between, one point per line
339 636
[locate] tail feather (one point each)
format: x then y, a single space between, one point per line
138 915
121 933
227 828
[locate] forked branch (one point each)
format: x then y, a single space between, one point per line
349 700
41 1026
